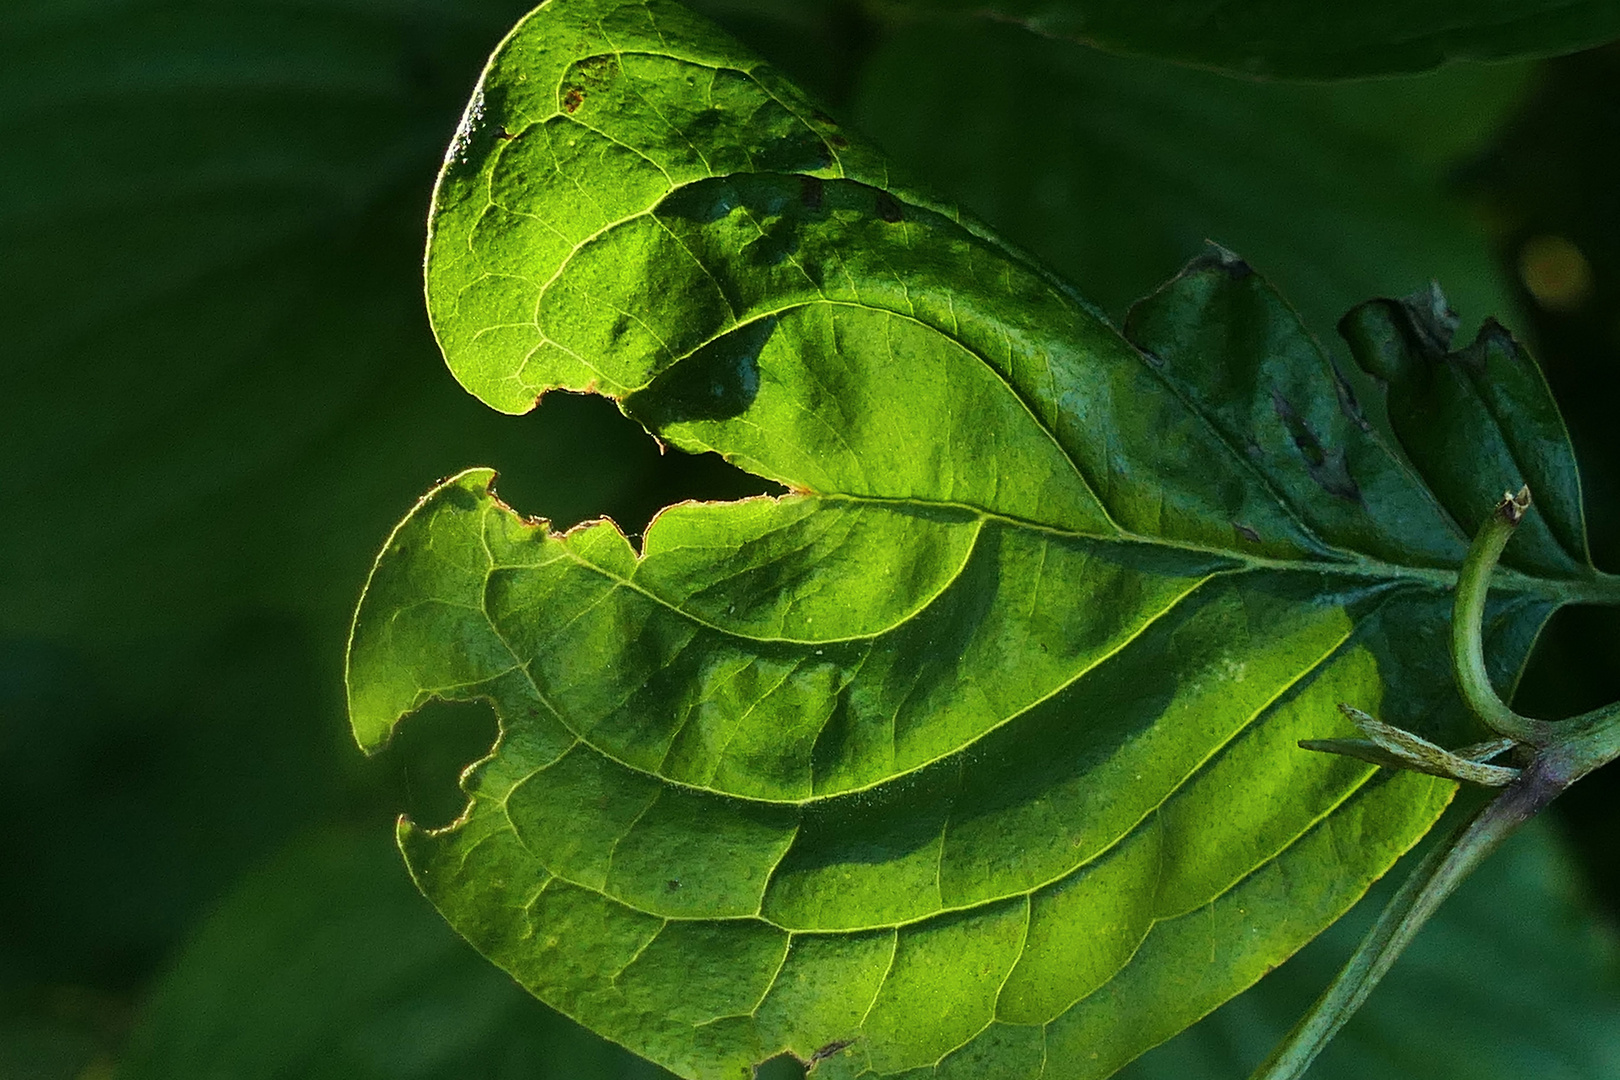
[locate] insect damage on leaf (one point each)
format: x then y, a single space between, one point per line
976 752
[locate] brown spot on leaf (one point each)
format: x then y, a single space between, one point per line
572 99
1219 258
838 141
829 1050
1347 399
1325 465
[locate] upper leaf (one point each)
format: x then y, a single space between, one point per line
982 739
211 313
1303 40
1112 169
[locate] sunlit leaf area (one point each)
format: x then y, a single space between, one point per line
829 800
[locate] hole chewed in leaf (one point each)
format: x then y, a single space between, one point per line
782 1067
626 477
431 750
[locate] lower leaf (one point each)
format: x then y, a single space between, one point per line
668 842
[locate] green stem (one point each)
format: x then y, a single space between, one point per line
1564 753
1434 879
1467 616
1602 589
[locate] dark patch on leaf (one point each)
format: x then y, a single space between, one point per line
1219 258
704 202
1326 466
834 1047
777 241
1347 398
1246 532
572 99
1432 318
1492 335
812 191
838 141
717 382
889 209
824 155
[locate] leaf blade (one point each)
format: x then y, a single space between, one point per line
926 692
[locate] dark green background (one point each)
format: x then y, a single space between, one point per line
218 393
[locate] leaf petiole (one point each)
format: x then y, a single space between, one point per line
1467 616
1563 752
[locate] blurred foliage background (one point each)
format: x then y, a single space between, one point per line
218 392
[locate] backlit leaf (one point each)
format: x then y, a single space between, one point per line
975 753
1512 978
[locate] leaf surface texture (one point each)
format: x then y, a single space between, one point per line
974 754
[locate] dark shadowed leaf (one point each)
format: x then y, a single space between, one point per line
1304 40
218 381
1116 171
325 963
975 753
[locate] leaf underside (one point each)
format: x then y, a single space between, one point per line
1301 40
974 755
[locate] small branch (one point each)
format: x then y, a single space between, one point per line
1397 749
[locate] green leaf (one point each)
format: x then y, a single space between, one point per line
219 384
1115 171
324 963
1295 40
1513 977
976 750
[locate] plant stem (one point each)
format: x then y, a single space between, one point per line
1563 753
1467 615
1434 879
1601 588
